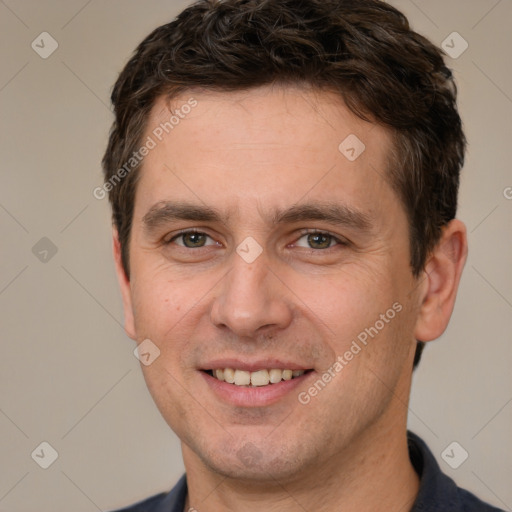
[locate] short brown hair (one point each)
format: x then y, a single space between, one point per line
364 50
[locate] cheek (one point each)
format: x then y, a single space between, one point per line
159 303
345 301
169 309
348 308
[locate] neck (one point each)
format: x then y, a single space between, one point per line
373 474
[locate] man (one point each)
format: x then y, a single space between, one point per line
283 176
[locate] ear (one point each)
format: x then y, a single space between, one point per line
124 283
442 275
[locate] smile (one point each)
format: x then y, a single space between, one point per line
254 379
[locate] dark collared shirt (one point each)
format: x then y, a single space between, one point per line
437 493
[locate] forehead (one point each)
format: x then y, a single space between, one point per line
258 115
277 143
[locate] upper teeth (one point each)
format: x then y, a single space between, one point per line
258 378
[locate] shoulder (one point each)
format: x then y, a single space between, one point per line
471 503
173 501
148 505
438 492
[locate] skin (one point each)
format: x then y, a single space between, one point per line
247 154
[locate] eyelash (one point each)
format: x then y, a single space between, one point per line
186 232
339 241
302 234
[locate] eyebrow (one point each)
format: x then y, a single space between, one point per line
340 214
168 211
331 212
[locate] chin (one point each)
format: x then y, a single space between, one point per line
254 462
259 472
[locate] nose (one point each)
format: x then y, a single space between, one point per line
251 300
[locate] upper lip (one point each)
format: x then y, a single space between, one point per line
253 366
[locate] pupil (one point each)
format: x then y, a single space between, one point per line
319 241
194 239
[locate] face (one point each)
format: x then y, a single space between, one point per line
262 248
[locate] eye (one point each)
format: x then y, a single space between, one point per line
318 240
191 239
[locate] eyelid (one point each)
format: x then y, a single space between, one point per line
313 231
167 241
303 232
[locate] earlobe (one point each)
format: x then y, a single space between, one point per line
124 284
442 274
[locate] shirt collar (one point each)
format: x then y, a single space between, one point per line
437 493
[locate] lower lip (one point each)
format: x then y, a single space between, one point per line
258 396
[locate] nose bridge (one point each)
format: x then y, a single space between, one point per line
250 298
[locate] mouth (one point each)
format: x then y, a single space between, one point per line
260 383
252 379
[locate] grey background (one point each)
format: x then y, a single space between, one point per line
67 370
